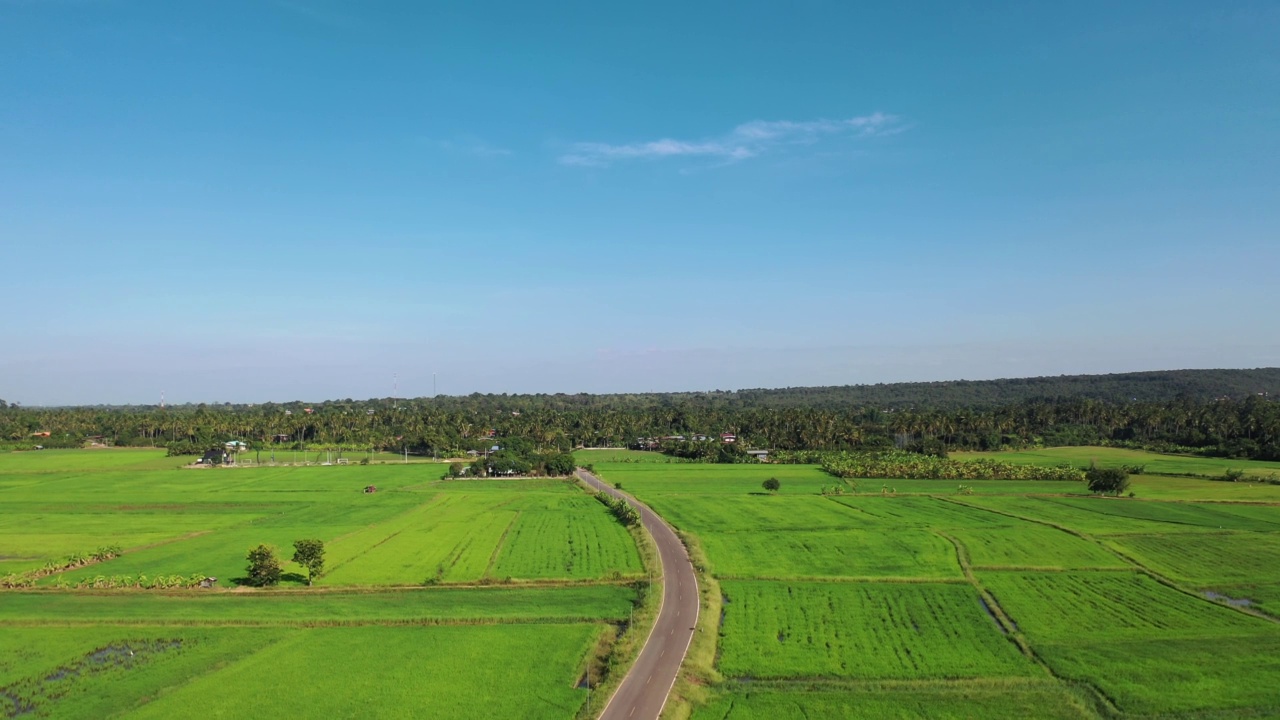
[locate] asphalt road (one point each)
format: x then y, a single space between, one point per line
644 690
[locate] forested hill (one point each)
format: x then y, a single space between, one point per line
1155 386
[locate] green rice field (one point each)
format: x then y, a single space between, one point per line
919 599
435 592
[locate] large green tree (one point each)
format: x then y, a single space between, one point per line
264 567
310 555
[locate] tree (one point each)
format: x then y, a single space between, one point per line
772 484
1106 481
560 464
264 568
310 554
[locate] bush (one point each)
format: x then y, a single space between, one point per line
1233 475
772 484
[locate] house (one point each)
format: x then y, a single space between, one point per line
208 582
760 455
370 489
727 437
42 433
216 456
280 438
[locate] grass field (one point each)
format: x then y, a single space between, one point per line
414 530
435 592
1015 600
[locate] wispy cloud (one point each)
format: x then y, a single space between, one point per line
745 141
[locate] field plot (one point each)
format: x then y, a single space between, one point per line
1096 516
478 672
1029 545
862 630
69 461
951 701
752 513
422 606
925 512
880 553
97 671
1205 559
415 530
571 537
448 539
1162 677
1176 516
1110 606
652 479
1264 596
167 672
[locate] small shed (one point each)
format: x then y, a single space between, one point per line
761 455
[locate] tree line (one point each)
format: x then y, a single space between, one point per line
1240 427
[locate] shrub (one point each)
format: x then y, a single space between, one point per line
772 484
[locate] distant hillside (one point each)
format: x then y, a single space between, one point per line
1158 386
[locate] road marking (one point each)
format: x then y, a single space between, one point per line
646 682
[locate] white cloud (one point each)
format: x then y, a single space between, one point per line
745 141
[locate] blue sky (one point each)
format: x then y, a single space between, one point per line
250 201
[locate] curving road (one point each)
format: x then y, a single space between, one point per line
644 690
